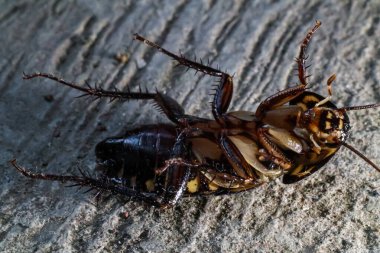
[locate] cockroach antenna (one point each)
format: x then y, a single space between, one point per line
359 107
357 152
362 156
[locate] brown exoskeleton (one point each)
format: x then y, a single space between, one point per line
292 134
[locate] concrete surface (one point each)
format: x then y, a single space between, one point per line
47 129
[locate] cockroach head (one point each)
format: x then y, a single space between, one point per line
328 126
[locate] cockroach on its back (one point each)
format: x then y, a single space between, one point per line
293 133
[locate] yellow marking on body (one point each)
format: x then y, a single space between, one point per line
303 106
310 98
149 184
329 115
314 128
193 185
244 188
328 125
306 172
297 170
330 151
212 186
340 124
313 163
324 101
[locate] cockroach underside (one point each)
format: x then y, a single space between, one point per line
292 134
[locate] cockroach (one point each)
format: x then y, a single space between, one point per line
292 134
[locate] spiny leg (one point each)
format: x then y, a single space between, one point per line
178 169
181 59
278 99
85 181
166 104
229 181
286 95
223 95
301 59
220 105
221 179
242 153
239 164
277 156
178 172
222 99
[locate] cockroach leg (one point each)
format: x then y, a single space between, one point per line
220 104
175 162
239 164
287 95
226 180
316 148
84 181
301 59
222 98
178 169
52 177
279 157
223 95
181 59
180 191
166 104
279 99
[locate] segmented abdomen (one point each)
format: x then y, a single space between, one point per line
132 159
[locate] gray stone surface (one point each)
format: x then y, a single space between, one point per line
335 210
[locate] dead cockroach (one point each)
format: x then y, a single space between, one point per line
292 134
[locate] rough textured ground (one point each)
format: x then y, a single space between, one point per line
46 128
